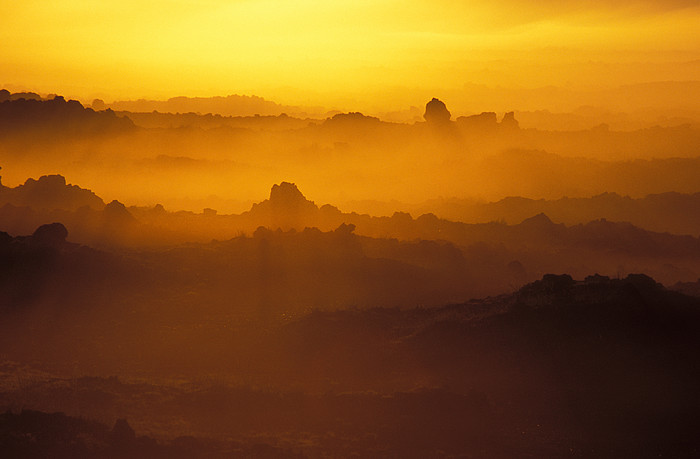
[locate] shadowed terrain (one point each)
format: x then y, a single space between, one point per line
459 286
599 367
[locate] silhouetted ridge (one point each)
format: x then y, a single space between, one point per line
59 116
688 288
116 212
53 234
509 121
351 118
287 195
50 192
665 212
286 208
231 105
123 435
7 95
484 120
540 220
555 289
46 265
36 434
541 226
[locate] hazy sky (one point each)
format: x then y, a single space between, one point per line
346 52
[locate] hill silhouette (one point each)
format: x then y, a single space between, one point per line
591 359
544 327
666 212
232 105
689 288
361 155
49 192
155 119
61 117
559 367
45 269
36 434
532 247
286 208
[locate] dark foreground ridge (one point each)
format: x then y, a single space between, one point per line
35 434
598 367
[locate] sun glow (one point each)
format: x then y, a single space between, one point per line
331 52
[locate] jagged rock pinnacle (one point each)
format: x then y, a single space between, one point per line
286 194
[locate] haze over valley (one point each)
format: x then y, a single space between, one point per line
260 229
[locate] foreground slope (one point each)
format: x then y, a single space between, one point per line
601 367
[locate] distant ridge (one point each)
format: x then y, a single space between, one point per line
232 105
664 212
50 192
58 116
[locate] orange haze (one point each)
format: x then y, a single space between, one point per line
373 56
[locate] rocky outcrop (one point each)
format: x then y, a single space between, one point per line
436 112
50 192
509 121
286 208
52 235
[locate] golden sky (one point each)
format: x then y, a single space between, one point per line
341 53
